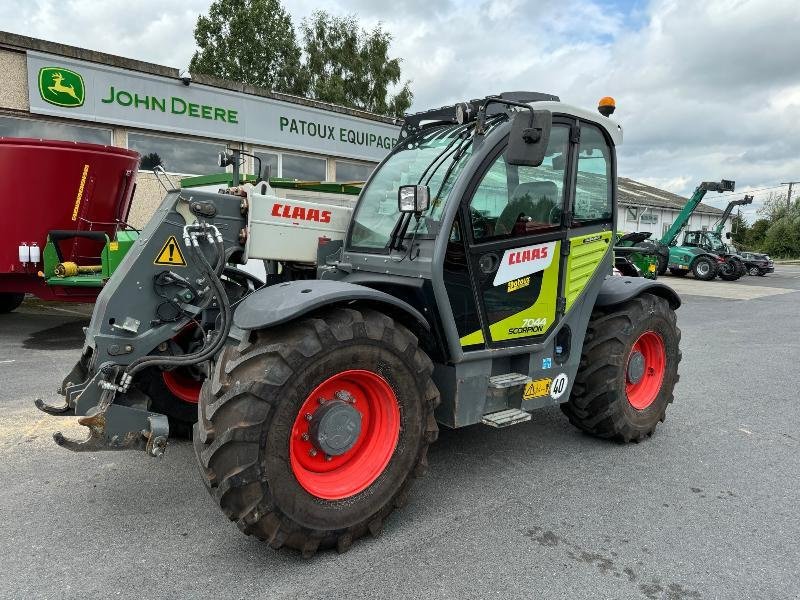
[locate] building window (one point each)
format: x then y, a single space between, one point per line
51 130
304 168
175 155
350 171
269 160
293 166
631 214
649 217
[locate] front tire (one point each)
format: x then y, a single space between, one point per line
10 301
628 370
663 261
703 268
261 457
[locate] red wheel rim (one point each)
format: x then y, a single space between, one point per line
644 392
182 385
337 477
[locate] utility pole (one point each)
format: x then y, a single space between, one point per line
789 194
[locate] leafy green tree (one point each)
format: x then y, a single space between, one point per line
773 207
739 229
783 238
252 41
347 65
151 161
756 233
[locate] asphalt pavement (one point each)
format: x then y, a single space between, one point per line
707 508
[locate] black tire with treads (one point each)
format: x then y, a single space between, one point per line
702 273
662 264
250 402
182 415
598 404
10 301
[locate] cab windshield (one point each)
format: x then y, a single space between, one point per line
435 157
716 244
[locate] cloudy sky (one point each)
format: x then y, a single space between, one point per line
705 90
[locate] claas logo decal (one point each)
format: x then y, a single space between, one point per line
523 256
300 213
521 262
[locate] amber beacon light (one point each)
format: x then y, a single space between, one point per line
607 106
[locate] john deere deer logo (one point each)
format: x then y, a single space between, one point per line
61 87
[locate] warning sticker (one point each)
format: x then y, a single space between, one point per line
170 254
537 389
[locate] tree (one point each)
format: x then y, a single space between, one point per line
252 41
739 229
773 207
756 234
347 65
150 161
783 238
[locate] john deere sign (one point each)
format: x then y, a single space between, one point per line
174 104
61 87
93 92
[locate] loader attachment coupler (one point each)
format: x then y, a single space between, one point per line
107 396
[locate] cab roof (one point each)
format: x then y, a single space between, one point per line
613 128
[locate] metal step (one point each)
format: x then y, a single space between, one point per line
505 418
507 380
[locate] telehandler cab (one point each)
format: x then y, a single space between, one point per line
470 284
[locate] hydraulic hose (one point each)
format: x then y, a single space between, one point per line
220 335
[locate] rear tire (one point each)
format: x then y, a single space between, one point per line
10 301
731 270
604 401
703 268
248 432
662 264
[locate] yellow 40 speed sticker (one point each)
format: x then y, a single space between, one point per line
537 389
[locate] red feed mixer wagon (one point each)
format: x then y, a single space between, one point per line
63 227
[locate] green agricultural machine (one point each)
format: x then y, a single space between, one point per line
640 252
471 284
732 266
703 264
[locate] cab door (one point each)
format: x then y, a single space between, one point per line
590 211
514 230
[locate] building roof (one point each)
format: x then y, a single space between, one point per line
636 193
13 41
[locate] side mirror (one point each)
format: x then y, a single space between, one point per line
413 198
530 133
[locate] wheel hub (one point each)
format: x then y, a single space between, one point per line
647 364
636 366
334 427
344 434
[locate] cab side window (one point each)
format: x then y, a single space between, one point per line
593 189
517 200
